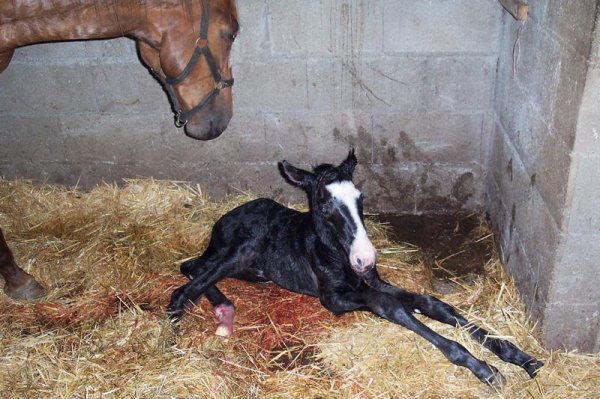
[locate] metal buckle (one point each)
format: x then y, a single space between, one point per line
220 85
203 41
178 122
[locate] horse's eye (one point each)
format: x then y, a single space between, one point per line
231 37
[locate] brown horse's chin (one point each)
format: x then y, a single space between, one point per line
208 129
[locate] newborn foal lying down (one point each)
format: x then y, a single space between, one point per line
325 253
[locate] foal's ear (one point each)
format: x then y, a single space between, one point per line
294 176
348 165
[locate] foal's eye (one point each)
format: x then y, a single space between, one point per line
231 37
325 208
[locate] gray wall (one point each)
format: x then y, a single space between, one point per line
543 187
409 84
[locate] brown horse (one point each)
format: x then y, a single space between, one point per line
185 43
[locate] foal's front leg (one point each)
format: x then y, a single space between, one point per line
445 313
393 309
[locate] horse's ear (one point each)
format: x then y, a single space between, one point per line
348 165
296 177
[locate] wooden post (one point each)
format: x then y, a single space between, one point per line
517 8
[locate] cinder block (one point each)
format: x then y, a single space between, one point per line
509 173
117 139
441 26
573 23
47 89
558 330
254 38
576 276
364 85
520 120
388 189
437 83
356 27
243 141
329 85
57 53
277 85
523 273
308 32
447 138
541 237
447 189
537 10
317 137
119 50
127 89
584 217
325 27
30 138
552 168
588 125
538 67
64 53
569 93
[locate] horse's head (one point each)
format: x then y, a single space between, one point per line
190 56
337 208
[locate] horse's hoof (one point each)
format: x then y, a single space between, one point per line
174 314
533 367
187 267
225 314
29 291
496 380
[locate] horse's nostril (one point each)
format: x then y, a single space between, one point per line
358 262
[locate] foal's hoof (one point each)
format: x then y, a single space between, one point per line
29 291
187 267
225 314
532 367
496 380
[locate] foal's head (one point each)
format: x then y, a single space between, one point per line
337 207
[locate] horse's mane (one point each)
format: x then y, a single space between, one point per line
19 9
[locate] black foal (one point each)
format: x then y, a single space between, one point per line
325 253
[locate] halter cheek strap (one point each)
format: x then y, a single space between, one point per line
201 49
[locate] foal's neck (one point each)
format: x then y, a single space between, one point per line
86 19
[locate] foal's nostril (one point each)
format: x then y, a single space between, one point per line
359 263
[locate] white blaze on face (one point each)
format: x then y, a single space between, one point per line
362 252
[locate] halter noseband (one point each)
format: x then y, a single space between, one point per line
201 48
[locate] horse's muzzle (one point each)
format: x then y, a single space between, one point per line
208 128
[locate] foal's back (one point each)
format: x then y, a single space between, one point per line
277 240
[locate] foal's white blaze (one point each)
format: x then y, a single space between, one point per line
362 251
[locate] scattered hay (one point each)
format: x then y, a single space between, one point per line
110 260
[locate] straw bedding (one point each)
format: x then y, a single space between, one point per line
110 260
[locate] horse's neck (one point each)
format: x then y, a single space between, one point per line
32 22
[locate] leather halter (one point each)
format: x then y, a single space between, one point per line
201 48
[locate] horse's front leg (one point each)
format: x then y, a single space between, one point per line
17 283
190 294
391 308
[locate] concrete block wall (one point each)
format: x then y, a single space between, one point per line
409 84
542 185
